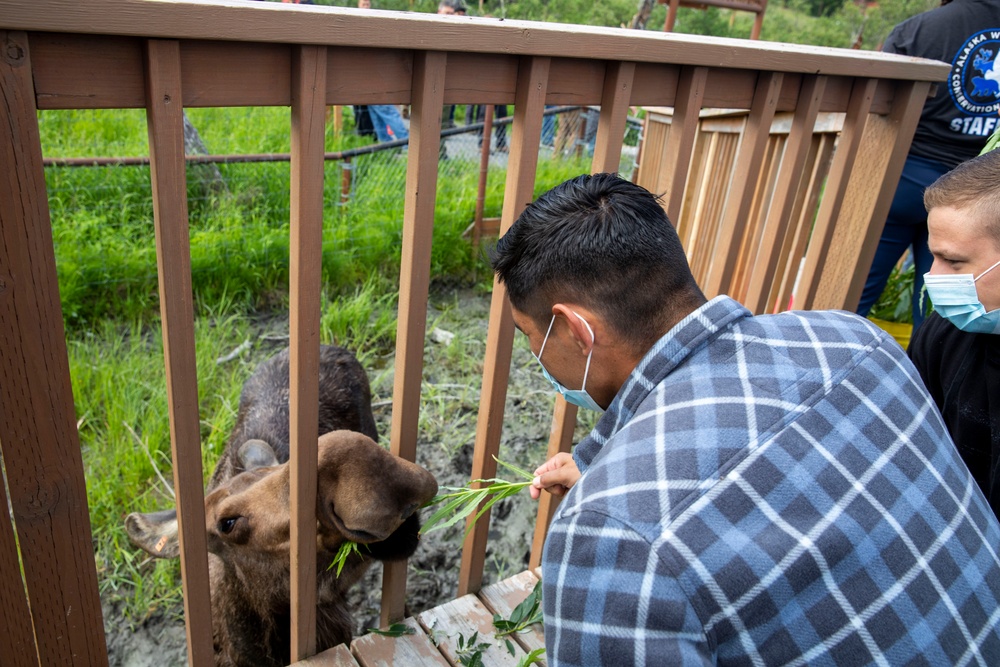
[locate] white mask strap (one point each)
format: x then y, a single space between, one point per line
976 278
586 370
546 339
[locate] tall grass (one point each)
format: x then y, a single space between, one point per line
103 218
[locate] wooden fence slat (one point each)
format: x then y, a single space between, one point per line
308 127
414 650
529 103
173 258
778 219
614 117
414 284
607 158
834 192
17 645
859 225
712 164
806 201
680 142
742 187
560 440
38 437
22 186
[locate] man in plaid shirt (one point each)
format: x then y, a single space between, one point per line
761 490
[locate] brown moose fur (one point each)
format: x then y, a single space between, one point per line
364 494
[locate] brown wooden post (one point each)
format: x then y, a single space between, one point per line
607 156
862 94
414 283
346 180
305 266
803 213
680 142
614 116
529 103
38 437
672 6
17 646
484 170
165 121
741 190
778 222
880 160
758 20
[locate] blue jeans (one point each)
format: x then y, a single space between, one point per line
549 128
388 122
905 227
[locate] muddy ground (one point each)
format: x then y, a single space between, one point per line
453 363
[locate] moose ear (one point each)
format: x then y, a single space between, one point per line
255 454
155 533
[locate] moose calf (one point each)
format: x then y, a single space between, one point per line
364 494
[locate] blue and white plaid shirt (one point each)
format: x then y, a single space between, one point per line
772 490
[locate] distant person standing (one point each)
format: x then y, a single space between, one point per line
953 127
450 8
384 119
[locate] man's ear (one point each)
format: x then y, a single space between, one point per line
575 316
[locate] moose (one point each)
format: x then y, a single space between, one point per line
364 495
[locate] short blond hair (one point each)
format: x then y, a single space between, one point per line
973 185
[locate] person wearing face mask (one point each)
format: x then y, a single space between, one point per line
759 489
957 351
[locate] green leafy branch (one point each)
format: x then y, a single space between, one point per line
343 553
524 615
470 651
533 658
460 502
394 630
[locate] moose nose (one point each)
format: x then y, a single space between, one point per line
408 511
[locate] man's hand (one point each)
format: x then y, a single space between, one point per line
556 476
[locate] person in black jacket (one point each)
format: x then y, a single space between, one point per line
953 127
957 350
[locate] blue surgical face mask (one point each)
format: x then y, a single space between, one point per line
578 397
955 299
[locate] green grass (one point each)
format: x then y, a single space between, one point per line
103 228
119 388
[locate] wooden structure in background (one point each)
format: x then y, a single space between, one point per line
166 55
771 239
757 7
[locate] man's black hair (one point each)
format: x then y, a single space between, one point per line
603 242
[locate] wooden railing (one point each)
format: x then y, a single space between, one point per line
164 55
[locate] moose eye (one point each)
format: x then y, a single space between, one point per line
226 525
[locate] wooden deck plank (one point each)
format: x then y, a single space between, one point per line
463 617
416 650
503 596
338 656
